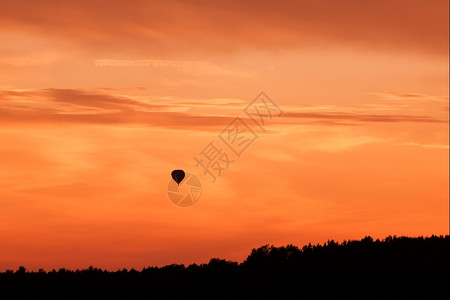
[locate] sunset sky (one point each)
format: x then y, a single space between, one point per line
101 100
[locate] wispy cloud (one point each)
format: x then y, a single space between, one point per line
101 106
437 146
94 107
361 118
198 68
412 97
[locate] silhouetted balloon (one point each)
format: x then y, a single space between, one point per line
178 176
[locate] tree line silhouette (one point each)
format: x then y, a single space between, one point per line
392 268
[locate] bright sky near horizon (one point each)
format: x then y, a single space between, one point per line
86 149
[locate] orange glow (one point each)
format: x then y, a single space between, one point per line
86 150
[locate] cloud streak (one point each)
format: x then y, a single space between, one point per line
361 118
413 97
77 106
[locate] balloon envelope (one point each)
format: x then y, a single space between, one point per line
178 176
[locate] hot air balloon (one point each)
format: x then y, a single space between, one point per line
178 176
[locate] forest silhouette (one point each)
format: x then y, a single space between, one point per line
392 268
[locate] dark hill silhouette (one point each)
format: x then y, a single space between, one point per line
394 268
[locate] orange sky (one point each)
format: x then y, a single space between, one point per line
86 150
